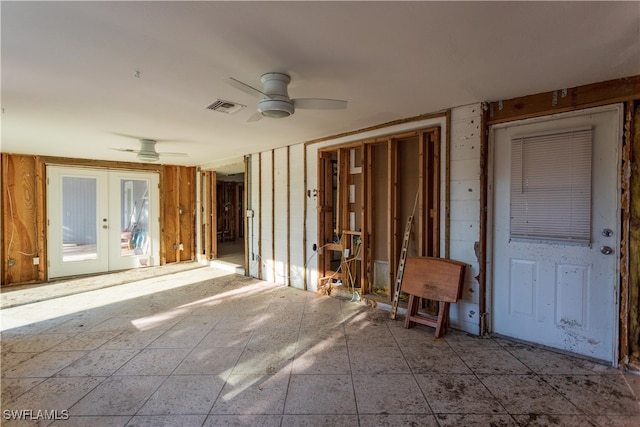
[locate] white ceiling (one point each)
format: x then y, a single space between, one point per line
81 77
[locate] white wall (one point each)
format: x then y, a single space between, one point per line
464 213
465 210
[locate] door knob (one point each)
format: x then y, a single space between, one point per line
606 250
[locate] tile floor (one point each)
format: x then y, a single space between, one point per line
208 348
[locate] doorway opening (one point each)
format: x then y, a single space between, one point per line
367 192
223 226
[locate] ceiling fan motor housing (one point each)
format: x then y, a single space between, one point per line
277 103
148 150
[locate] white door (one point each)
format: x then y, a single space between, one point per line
555 275
101 221
77 215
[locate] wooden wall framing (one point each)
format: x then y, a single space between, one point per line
209 198
427 143
24 212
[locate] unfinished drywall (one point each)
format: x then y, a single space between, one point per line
303 208
280 214
275 216
464 208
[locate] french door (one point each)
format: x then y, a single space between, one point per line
101 221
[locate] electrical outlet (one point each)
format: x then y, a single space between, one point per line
36 260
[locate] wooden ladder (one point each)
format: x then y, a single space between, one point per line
401 264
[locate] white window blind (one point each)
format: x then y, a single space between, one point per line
551 186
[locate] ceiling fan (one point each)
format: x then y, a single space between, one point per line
147 151
274 98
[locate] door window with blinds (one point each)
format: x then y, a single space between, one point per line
551 186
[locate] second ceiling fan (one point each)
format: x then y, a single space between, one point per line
274 98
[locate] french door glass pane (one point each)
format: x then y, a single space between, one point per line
134 217
79 223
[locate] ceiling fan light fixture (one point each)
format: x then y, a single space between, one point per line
275 108
147 157
148 151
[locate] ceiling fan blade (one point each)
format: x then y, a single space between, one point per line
167 154
126 150
319 104
245 87
255 117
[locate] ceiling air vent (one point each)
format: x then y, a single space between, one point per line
225 106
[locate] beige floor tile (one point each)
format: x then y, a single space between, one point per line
617 420
89 340
96 421
166 421
459 339
229 350
181 336
184 394
265 362
545 362
55 394
427 360
10 360
209 361
419 335
267 339
44 364
377 420
225 338
556 420
473 420
322 359
252 394
98 363
493 361
527 394
118 396
154 361
14 387
389 394
133 339
601 395
458 394
320 394
216 420
115 323
387 360
34 343
320 420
